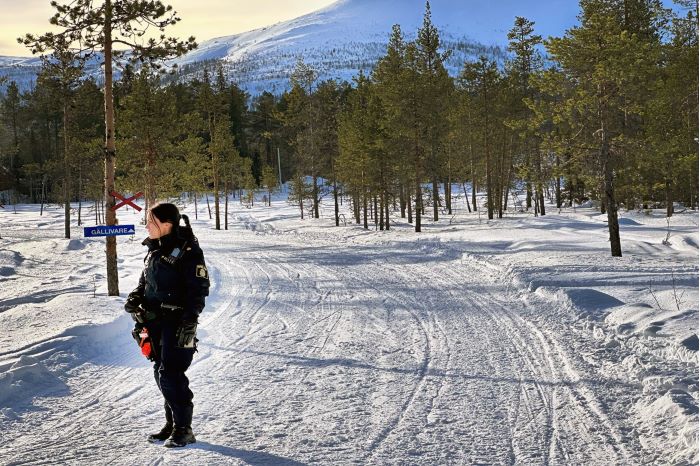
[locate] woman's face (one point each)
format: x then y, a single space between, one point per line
156 228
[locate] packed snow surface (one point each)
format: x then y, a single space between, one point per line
513 341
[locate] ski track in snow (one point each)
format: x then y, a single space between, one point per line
315 351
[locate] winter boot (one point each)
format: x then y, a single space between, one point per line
180 437
167 429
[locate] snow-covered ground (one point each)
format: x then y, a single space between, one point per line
514 341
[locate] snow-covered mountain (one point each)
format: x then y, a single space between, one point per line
22 70
350 35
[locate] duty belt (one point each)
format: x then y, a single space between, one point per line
170 307
146 315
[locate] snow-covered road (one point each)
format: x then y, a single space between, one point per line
323 348
341 355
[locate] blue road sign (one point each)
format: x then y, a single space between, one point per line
106 230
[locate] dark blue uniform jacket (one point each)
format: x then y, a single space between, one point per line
175 276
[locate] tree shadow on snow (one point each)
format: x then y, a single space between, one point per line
319 363
249 457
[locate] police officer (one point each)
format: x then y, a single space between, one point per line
165 306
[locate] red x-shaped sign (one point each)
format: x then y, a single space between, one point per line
126 201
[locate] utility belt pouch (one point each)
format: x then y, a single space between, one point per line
149 315
144 315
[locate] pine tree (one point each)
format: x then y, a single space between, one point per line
549 122
63 68
300 119
264 126
415 130
222 151
672 115
11 116
329 98
148 131
212 105
435 90
42 121
269 181
355 138
462 141
390 78
608 63
91 29
525 63
307 142
481 81
196 162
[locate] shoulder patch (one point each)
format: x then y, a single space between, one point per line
202 271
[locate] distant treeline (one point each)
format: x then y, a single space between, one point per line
610 114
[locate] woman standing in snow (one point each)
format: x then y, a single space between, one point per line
166 305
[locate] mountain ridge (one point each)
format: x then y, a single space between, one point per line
349 35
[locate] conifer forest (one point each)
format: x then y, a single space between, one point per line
608 113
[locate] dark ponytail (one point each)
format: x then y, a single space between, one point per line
186 231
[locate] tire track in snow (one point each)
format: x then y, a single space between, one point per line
260 293
433 289
425 360
533 357
102 411
565 380
436 355
541 365
391 426
590 405
556 368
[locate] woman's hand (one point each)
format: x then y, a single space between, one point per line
186 333
133 303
